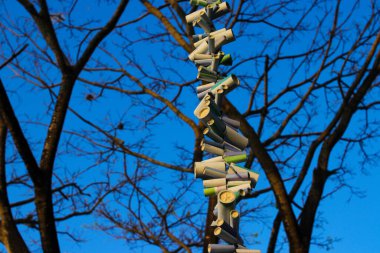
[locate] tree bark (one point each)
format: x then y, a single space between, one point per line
10 234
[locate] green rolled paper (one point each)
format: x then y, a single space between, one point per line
235 158
198 2
226 60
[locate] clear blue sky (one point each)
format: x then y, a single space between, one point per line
348 218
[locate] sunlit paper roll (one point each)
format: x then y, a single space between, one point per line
213 136
199 2
223 39
225 236
199 169
206 74
240 187
214 190
203 22
226 85
237 169
202 104
226 226
232 122
238 176
202 94
200 166
206 114
201 49
202 57
220 248
219 11
214 182
213 173
236 139
223 30
214 159
212 149
247 251
215 63
204 87
226 203
234 220
236 183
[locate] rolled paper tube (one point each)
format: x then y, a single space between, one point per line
219 11
225 226
236 139
218 145
200 166
213 173
215 159
206 74
227 84
198 37
203 23
238 176
212 149
223 30
203 15
211 44
214 182
202 57
236 183
223 212
205 63
198 2
226 60
240 187
227 37
234 220
205 102
213 190
233 153
237 169
201 95
247 251
225 236
226 198
213 136
217 125
201 49
235 158
221 248
215 63
230 148
218 99
231 122
206 114
204 87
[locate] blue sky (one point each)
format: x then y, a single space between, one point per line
348 218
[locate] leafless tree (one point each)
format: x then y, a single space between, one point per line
309 89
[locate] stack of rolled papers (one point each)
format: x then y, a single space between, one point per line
222 176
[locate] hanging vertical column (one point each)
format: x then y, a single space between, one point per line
222 175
